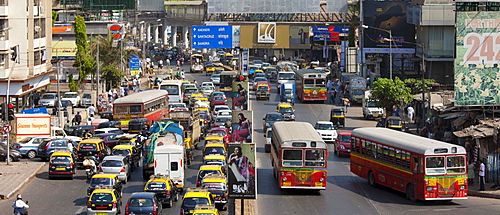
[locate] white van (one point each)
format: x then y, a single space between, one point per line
169 160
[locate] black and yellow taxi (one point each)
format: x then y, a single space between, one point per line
217 185
214 160
205 210
105 179
165 189
214 148
104 200
91 147
193 197
209 170
62 164
131 152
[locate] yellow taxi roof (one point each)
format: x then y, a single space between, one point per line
214 178
210 167
258 70
90 141
201 99
105 175
214 145
186 82
214 137
123 147
197 193
215 157
196 95
62 153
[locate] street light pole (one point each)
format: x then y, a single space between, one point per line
390 45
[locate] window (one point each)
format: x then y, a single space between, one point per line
398 157
292 157
392 155
455 164
120 109
434 165
135 109
174 166
320 83
315 158
308 83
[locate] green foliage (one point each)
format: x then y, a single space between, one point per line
55 14
83 62
387 92
112 75
73 87
416 85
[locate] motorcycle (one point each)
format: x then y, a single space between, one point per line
89 170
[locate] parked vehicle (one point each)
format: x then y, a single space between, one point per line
86 100
49 146
28 146
48 99
14 155
370 110
73 97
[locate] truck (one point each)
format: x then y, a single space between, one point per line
164 138
356 88
30 125
370 110
287 93
190 122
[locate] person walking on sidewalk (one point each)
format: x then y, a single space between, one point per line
91 110
482 171
20 206
471 173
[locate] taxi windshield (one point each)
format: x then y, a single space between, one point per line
286 110
101 197
101 182
60 160
219 133
156 186
214 151
214 186
203 173
215 162
190 203
121 152
126 142
88 147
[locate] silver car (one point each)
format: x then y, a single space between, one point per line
116 165
86 100
48 99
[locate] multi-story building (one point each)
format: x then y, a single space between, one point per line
26 24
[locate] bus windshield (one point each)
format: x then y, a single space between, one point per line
434 165
286 76
308 83
455 164
292 157
320 83
171 89
315 157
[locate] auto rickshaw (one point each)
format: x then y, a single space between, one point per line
138 125
286 109
393 122
337 117
91 147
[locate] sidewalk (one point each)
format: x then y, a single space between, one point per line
14 176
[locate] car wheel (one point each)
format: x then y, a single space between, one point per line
176 196
9 159
31 154
170 203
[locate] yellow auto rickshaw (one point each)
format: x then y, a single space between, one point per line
337 117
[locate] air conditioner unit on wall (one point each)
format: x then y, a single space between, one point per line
42 10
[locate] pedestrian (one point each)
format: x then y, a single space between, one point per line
19 205
78 118
110 95
115 94
125 91
160 64
122 91
471 173
134 82
168 62
482 171
346 103
91 110
411 113
138 85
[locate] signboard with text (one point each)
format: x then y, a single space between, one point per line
212 37
329 33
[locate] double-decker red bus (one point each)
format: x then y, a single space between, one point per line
311 85
299 156
150 104
423 168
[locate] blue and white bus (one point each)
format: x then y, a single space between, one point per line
173 87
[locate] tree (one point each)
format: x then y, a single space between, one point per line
55 14
416 85
387 92
83 62
73 87
112 75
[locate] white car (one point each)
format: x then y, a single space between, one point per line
268 135
86 100
217 108
207 90
326 130
48 99
223 113
73 97
206 83
215 79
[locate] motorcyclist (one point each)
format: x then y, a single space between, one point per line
91 162
19 206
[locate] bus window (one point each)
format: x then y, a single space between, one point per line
398 157
320 83
434 165
308 83
386 154
134 109
455 164
315 157
119 109
292 157
392 155
363 147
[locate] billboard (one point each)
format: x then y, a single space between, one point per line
329 33
264 6
387 15
241 126
240 96
477 80
266 32
248 38
241 171
215 37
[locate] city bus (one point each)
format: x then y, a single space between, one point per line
150 104
299 156
311 85
423 168
174 89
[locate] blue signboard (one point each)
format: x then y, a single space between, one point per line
212 37
327 32
42 110
134 62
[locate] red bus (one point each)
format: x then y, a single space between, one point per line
311 85
423 168
150 104
299 156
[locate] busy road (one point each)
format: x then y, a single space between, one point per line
345 193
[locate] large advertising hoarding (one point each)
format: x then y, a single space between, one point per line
477 78
240 96
248 38
241 126
264 6
241 171
387 15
